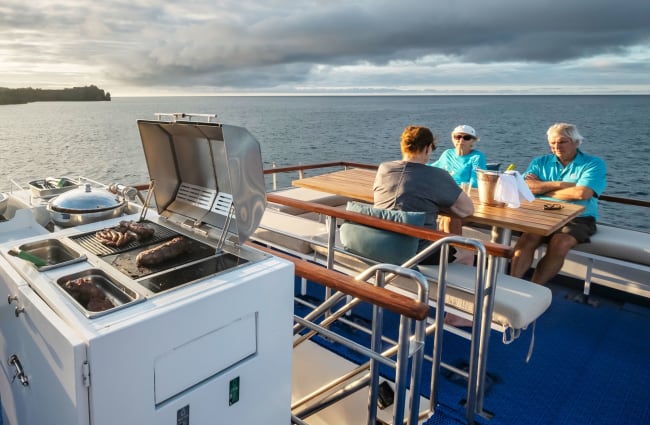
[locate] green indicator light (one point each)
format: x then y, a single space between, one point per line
234 391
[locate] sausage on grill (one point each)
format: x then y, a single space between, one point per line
141 230
164 252
112 237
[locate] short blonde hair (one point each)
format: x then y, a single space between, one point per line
415 139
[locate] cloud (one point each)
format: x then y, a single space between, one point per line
284 45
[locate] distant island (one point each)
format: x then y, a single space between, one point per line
26 95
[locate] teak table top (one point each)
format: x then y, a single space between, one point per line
531 217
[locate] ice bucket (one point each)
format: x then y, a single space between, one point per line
487 183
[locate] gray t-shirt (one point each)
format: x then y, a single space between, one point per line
411 186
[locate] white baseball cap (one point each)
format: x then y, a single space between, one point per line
466 129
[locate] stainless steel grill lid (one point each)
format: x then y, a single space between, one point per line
204 172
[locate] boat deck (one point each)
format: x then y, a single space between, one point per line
589 365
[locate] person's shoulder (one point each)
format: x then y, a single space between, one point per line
447 153
417 167
390 164
544 158
590 158
429 171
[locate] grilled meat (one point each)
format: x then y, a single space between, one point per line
99 304
163 252
141 230
124 233
84 291
113 237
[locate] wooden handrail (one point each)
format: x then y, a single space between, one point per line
627 201
608 198
382 297
494 249
320 165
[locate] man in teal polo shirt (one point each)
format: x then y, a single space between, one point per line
565 175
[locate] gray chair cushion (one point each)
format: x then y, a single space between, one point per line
380 245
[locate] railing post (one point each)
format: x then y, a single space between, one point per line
408 345
475 400
375 345
275 178
331 242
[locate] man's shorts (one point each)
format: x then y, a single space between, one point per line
581 228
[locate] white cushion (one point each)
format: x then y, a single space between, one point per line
307 195
624 244
285 229
517 302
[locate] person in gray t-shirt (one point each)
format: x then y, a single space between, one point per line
411 185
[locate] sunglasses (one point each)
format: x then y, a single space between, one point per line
553 207
465 137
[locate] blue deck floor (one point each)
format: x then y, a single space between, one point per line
589 366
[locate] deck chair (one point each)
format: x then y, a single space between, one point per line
517 302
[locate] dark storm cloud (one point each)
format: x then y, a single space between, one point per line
265 44
377 32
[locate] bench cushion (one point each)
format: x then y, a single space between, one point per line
623 244
517 302
307 195
286 230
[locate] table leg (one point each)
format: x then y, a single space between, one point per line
504 237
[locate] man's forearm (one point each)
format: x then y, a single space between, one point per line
571 193
539 187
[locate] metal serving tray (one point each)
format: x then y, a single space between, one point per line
192 272
115 292
53 252
52 186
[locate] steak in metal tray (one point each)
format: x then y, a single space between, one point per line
84 291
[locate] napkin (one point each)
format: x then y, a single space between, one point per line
512 189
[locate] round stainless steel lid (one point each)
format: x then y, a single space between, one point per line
85 199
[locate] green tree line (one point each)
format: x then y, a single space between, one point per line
26 95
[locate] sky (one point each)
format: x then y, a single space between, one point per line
294 47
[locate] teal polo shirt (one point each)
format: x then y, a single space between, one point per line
584 170
461 167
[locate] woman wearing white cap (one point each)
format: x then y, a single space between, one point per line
463 160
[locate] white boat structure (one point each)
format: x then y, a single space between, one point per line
263 317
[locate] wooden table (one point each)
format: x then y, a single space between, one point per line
355 183
530 217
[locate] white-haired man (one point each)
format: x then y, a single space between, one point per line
565 175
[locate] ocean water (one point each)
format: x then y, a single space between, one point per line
100 140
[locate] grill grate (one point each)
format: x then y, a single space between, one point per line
90 242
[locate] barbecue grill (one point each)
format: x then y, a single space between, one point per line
201 337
